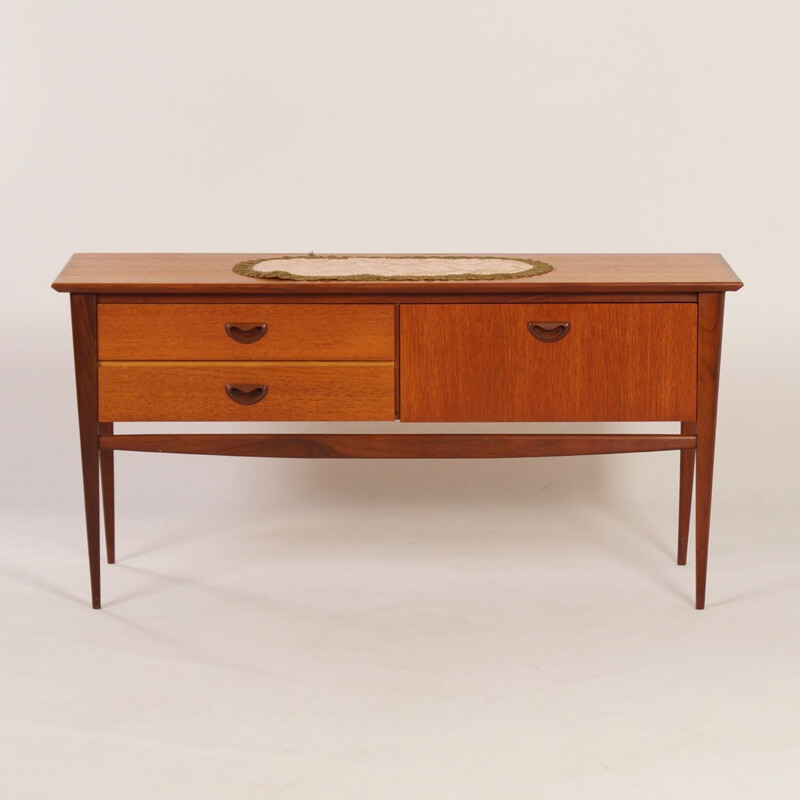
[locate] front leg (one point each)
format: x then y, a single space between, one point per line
84 340
709 347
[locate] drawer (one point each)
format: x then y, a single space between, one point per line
245 332
484 363
158 391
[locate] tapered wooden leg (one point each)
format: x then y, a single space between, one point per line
107 481
687 484
709 346
84 339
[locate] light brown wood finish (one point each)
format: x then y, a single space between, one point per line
711 308
647 358
406 445
364 298
194 332
132 391
685 494
396 309
107 482
84 340
202 273
480 363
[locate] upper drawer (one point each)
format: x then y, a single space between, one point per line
245 332
548 362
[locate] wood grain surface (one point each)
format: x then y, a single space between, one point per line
479 363
440 296
203 273
711 312
107 484
642 344
134 391
196 332
404 445
84 341
686 485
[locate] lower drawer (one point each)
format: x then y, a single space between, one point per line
238 392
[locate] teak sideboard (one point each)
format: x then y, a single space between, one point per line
601 338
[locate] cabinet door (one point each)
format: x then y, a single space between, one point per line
548 362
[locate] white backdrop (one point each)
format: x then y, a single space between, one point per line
385 629
405 126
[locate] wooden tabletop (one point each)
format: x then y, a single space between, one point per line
212 273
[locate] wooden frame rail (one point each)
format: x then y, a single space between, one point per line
402 445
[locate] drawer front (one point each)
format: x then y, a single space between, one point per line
485 363
234 392
245 332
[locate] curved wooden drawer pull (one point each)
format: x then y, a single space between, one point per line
548 331
246 394
245 332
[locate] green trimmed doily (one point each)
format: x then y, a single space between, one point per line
313 267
